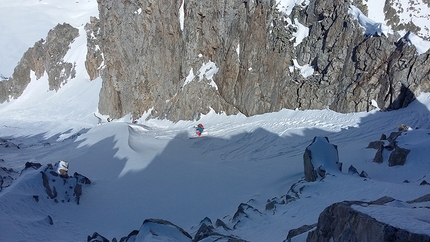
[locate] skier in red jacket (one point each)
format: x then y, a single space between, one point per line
199 129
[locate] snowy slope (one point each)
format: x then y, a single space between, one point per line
153 170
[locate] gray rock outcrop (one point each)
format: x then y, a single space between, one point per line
45 57
343 222
352 170
398 154
94 57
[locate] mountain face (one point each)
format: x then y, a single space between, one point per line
179 59
154 63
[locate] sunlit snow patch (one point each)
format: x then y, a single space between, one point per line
305 70
207 70
421 45
181 16
371 27
302 32
374 103
189 78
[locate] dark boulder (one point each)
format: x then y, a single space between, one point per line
398 156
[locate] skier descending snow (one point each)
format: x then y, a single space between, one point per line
199 129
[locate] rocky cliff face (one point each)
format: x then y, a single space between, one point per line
179 59
46 56
154 61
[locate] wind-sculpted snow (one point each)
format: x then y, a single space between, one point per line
153 170
135 140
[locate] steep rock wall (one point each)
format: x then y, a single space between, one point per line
152 61
230 56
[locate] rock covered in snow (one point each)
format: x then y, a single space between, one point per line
61 187
208 232
161 230
96 237
382 220
244 211
302 229
7 176
320 157
352 170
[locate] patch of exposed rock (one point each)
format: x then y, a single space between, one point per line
352 170
94 57
46 56
398 155
7 176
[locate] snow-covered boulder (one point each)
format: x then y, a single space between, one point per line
208 232
385 219
96 237
62 188
161 230
244 212
7 176
320 157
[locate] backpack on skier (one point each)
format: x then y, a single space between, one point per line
199 129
